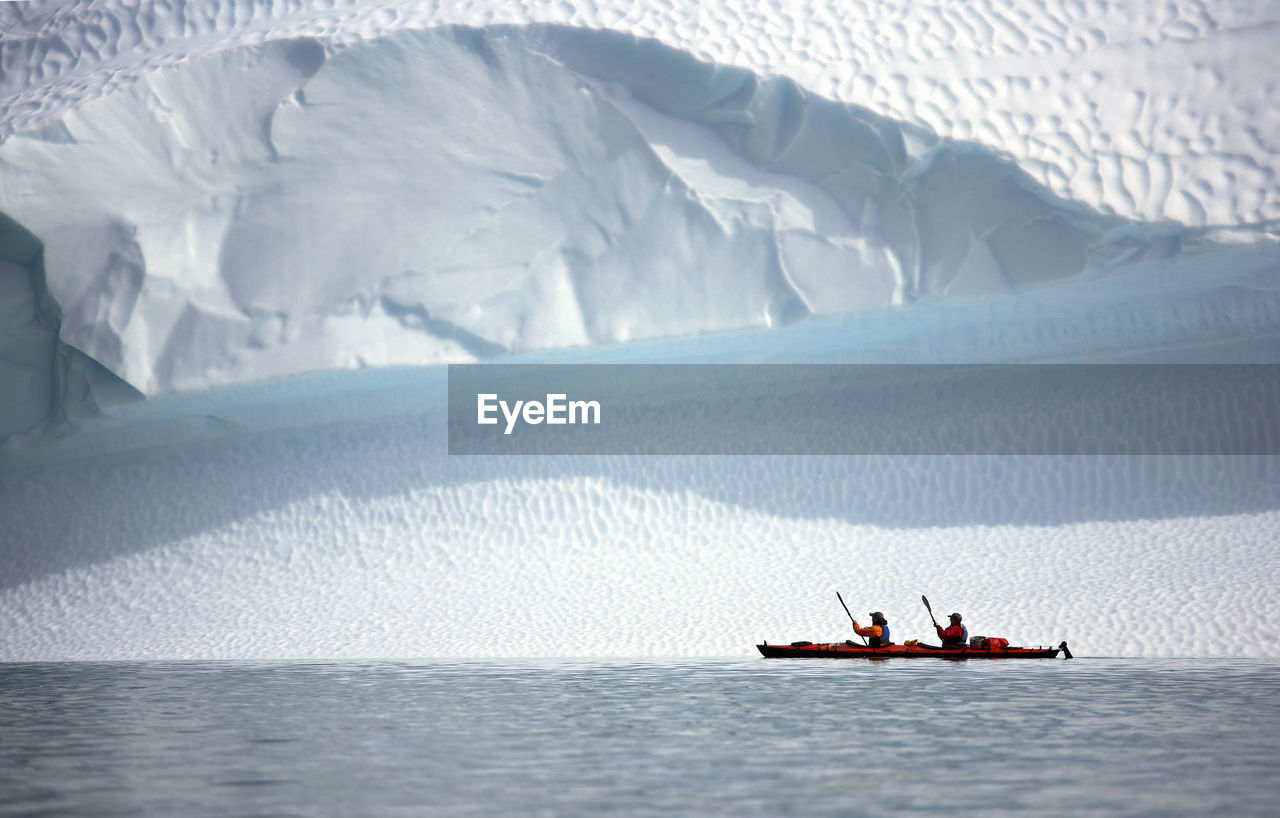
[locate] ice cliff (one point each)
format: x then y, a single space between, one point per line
461 193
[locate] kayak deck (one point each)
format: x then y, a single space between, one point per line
849 650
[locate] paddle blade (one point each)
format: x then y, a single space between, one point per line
925 600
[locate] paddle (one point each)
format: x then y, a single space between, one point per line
925 600
852 621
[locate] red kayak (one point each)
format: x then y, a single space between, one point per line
850 650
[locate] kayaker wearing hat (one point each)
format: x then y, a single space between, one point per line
878 633
954 636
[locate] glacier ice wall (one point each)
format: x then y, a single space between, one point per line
460 193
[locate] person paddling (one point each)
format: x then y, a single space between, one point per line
954 636
877 634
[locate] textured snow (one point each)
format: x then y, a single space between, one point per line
363 540
234 191
1155 110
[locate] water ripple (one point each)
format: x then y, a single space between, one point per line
706 737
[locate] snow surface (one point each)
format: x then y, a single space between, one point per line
228 193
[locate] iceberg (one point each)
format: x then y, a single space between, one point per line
239 244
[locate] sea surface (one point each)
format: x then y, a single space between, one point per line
642 737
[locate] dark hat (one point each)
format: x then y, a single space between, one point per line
956 617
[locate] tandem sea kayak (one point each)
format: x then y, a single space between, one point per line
850 650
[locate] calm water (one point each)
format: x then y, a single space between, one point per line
664 737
